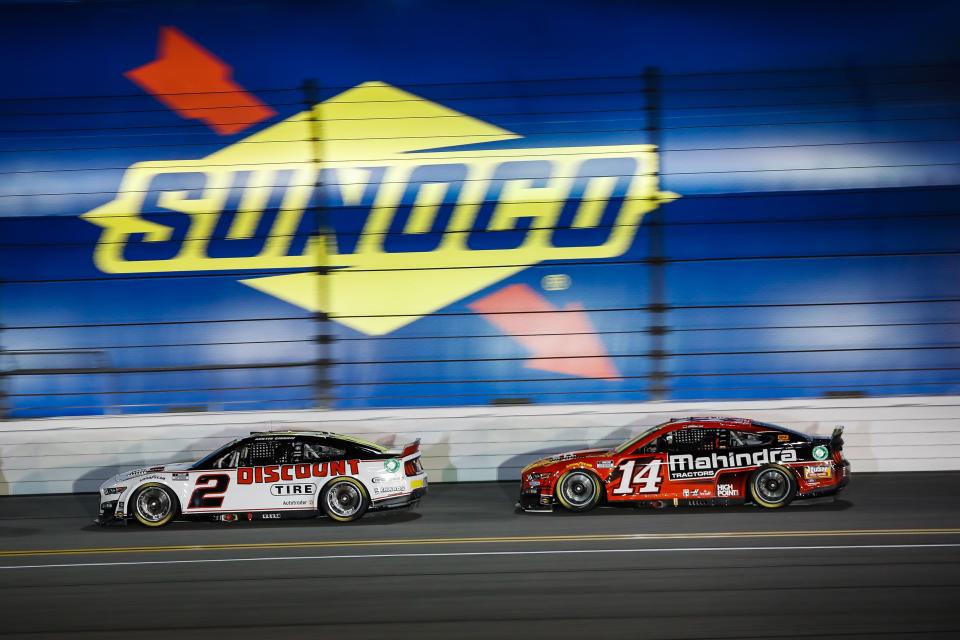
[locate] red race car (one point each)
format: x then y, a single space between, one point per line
692 461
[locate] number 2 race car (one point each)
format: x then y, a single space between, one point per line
692 461
270 476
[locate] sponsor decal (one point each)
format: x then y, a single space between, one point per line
119 509
605 464
292 489
727 491
297 503
783 437
820 452
818 471
270 516
495 212
686 493
686 466
181 476
391 465
384 490
288 472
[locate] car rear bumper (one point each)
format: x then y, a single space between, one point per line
843 478
408 500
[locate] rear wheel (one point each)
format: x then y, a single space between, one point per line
344 499
579 490
153 505
773 486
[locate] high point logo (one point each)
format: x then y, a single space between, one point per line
414 229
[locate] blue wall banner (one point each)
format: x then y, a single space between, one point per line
399 204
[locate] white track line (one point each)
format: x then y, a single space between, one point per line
464 554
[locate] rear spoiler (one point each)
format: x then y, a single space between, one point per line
836 440
407 450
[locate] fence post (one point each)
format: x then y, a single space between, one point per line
5 366
324 339
656 261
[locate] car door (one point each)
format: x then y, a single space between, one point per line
243 478
213 488
640 474
690 467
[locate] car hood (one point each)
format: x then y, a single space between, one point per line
134 474
564 457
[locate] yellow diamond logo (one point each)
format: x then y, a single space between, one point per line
378 158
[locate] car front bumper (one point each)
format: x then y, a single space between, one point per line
530 501
108 513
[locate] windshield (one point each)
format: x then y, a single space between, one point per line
373 446
630 442
776 427
207 460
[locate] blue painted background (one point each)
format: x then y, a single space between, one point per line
815 149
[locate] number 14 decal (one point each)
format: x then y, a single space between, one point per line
647 478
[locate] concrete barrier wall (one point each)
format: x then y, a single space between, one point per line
64 455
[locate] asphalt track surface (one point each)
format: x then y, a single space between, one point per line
881 562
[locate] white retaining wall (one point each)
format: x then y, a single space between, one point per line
63 455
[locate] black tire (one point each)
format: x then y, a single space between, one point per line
344 499
579 490
153 505
773 486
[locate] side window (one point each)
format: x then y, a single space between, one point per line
229 460
651 447
689 439
740 439
316 450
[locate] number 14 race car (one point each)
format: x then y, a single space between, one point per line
692 461
270 476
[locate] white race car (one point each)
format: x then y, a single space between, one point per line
270 476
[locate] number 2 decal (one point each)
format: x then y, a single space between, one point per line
647 478
210 491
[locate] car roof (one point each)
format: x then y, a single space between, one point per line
291 432
712 419
318 434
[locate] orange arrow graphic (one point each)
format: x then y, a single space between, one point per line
560 341
198 85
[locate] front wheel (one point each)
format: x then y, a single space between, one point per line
579 490
773 487
153 505
344 500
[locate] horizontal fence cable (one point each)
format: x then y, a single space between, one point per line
923 100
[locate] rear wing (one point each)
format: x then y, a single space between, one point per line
407 449
836 440
411 448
